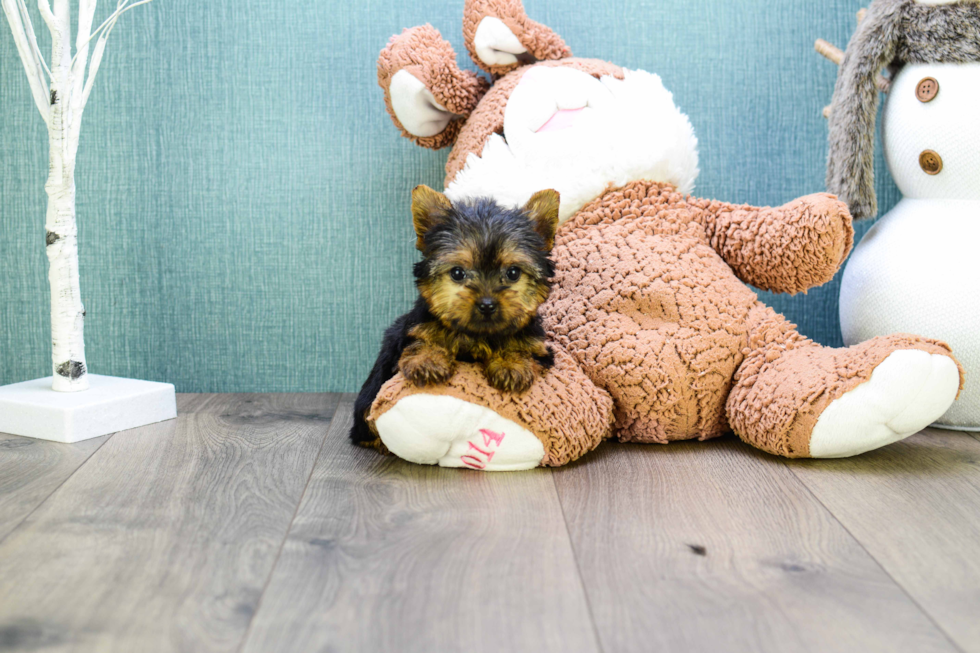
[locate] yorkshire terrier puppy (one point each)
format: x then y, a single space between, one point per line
484 272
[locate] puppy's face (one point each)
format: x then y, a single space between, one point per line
486 269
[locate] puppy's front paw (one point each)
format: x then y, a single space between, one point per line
511 374
424 364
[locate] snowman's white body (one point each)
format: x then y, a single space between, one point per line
918 269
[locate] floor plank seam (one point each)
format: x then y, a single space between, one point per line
578 568
56 488
877 562
289 529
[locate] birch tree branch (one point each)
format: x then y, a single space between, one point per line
61 36
122 7
96 62
32 37
35 76
45 9
86 14
106 29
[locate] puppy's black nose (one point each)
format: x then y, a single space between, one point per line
487 306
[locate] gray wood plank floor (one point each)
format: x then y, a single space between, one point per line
30 470
165 538
249 524
389 556
915 507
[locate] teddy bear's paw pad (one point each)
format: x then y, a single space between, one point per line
907 392
449 432
495 44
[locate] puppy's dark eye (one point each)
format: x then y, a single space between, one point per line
457 274
513 273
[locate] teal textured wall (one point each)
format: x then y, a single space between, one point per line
243 196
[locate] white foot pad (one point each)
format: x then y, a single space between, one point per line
907 392
449 432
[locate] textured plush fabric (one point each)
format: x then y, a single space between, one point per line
243 198
894 33
564 408
916 272
650 296
786 381
650 306
789 249
646 302
913 272
422 52
539 41
488 118
948 125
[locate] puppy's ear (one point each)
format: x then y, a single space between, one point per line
542 208
429 207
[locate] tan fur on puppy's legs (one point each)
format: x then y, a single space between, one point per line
511 371
424 363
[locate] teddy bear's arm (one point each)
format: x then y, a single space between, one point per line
425 91
786 249
499 36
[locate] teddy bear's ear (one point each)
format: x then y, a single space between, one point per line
850 164
426 93
500 37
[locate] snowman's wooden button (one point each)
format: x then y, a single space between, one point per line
927 90
931 162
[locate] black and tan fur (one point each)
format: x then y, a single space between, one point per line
484 273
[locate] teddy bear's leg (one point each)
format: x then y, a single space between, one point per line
795 398
467 423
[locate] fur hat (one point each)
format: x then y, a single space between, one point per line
894 33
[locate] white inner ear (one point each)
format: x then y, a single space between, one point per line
416 107
495 44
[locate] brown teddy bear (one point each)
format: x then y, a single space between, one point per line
656 335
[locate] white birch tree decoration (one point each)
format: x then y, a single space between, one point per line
61 91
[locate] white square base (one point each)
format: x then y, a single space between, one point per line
111 404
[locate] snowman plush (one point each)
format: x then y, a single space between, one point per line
918 269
